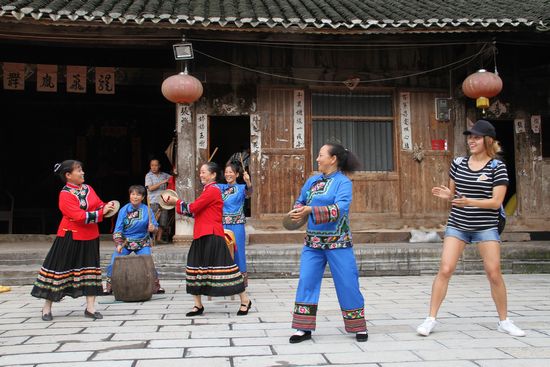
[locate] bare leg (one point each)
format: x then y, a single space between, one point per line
490 253
452 249
90 304
198 301
47 307
159 234
244 301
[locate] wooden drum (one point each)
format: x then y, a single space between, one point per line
133 277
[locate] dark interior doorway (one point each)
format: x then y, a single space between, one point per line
230 134
113 137
505 135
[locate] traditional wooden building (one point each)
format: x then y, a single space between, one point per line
283 77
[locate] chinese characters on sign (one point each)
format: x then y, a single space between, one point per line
76 79
202 131
405 121
255 135
535 123
105 80
299 119
46 78
183 119
520 125
14 76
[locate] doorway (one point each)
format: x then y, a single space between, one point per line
505 135
229 134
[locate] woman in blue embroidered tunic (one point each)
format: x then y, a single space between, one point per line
477 186
134 224
234 195
325 199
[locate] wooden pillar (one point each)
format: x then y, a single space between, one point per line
185 181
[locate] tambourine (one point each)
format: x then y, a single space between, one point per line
291 224
165 205
113 211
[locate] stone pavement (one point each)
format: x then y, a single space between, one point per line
21 260
157 333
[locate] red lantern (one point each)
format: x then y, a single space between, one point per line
482 85
182 88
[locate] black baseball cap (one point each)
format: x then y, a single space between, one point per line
482 128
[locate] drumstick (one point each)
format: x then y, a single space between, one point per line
149 214
242 164
212 156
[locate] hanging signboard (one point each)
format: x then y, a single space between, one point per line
105 80
76 79
46 78
299 119
405 121
202 131
14 76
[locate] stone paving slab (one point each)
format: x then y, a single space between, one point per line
157 332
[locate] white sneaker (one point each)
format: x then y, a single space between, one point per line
507 326
427 326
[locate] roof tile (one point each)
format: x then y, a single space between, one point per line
315 14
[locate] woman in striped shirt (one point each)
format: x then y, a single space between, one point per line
477 187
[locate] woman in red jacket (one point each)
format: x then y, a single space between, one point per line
71 267
210 269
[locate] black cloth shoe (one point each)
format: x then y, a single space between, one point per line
241 312
160 291
47 316
300 338
199 311
362 337
96 315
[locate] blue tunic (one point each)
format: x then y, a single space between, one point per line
330 198
131 232
132 225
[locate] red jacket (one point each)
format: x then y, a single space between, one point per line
207 211
82 209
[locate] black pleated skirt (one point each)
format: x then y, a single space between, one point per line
210 269
71 268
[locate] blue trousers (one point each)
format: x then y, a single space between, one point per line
125 252
346 281
240 254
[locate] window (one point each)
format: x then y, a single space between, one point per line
363 123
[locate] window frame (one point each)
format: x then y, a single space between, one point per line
392 119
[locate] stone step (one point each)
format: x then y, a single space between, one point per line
283 237
278 261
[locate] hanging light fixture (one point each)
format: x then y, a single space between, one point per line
182 87
482 85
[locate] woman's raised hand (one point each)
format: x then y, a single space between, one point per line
442 192
246 178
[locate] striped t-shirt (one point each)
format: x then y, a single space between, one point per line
476 185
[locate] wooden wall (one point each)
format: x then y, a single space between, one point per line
280 168
380 199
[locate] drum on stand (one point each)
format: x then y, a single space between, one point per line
133 277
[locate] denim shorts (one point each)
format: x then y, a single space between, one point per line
473 236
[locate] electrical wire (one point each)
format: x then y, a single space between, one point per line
463 62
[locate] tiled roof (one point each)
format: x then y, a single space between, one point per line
305 14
